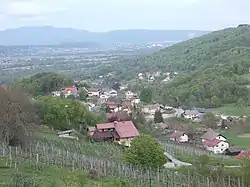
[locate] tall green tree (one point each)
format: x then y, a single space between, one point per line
83 94
145 151
158 117
63 114
146 95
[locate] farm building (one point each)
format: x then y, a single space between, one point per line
216 146
179 136
121 132
211 135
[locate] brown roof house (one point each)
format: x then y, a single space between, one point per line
211 135
120 132
179 136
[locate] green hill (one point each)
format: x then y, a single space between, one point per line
213 69
213 48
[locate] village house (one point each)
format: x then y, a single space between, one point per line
191 114
93 92
179 136
104 98
216 146
112 93
233 151
243 155
70 91
150 109
56 93
129 95
123 87
211 135
119 132
135 101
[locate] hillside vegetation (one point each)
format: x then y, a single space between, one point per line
210 49
213 69
43 83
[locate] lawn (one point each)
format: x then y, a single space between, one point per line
46 176
235 140
231 109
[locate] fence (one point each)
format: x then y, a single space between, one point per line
47 154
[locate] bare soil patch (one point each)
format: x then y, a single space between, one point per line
244 135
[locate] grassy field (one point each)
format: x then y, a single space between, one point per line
235 140
46 176
232 110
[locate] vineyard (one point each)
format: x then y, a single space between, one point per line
49 154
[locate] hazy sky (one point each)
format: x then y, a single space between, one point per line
104 15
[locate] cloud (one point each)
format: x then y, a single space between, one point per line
29 9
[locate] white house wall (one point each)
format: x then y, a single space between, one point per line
183 138
219 148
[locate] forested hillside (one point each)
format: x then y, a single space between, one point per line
217 47
217 69
213 48
213 69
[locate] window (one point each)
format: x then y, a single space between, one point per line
216 146
222 144
221 149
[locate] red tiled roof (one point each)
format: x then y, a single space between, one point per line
244 154
105 126
212 143
70 89
126 129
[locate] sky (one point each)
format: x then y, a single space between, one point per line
105 15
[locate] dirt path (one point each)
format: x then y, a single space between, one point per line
244 135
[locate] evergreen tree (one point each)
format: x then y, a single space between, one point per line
158 117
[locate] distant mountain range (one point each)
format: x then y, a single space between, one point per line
53 36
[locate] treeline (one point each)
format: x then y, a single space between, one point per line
43 83
191 55
211 87
22 110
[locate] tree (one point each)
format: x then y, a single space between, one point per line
116 86
241 103
210 120
146 95
215 102
17 117
83 94
158 117
43 83
63 114
145 151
